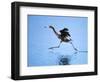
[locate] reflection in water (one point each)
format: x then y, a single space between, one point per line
64 60
79 57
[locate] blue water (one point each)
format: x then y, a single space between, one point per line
40 38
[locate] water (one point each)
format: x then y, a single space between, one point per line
55 57
79 57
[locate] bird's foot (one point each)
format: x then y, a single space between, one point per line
75 49
50 48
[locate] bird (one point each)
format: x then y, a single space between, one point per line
64 36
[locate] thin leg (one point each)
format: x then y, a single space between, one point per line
73 46
56 46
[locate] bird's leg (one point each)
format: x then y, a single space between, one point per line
73 46
56 46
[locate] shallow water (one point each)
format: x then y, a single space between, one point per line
70 59
53 57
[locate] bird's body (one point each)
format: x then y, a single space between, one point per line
64 39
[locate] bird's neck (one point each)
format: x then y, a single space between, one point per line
55 31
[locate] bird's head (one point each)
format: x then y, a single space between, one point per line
65 29
50 26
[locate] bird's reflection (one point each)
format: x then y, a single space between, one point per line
64 59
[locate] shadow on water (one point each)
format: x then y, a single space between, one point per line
83 51
80 52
